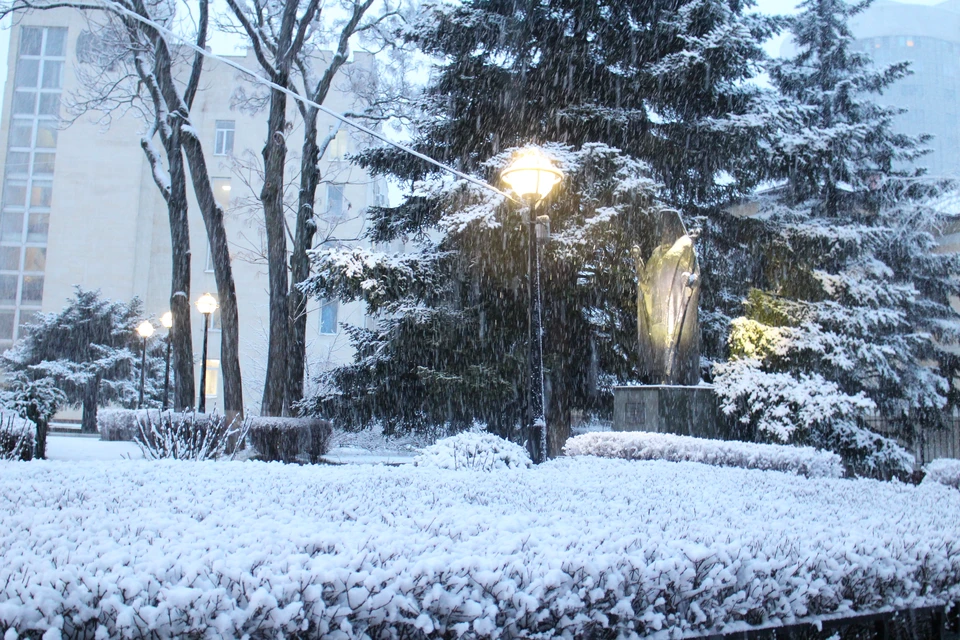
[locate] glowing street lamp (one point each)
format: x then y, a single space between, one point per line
206 305
145 330
167 321
532 176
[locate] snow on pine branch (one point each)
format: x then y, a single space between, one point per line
644 445
779 404
354 273
577 547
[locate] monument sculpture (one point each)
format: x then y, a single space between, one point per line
668 327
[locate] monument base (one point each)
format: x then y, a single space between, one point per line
683 410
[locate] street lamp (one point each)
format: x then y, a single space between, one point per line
145 330
167 321
532 176
206 305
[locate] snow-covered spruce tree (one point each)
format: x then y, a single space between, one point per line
851 309
92 350
625 94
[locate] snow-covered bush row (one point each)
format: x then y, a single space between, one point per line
646 445
472 450
289 439
584 547
124 424
944 471
187 436
17 437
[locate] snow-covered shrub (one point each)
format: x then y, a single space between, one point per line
646 445
472 450
576 548
16 437
289 439
809 409
943 471
121 424
185 436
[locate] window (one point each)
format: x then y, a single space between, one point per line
328 316
337 149
223 145
334 201
213 378
208 266
221 190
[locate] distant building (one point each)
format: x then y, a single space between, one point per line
79 205
929 38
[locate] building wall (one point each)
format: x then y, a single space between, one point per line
929 38
108 225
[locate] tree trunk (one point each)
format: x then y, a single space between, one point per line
91 393
299 262
223 273
41 445
181 334
274 156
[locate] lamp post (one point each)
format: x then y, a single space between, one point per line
532 176
145 330
167 321
206 305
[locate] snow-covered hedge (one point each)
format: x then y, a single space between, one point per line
186 436
289 439
644 445
943 471
577 547
120 424
17 437
472 450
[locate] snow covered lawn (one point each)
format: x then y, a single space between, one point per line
220 549
75 447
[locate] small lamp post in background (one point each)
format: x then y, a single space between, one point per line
532 176
206 305
167 321
145 330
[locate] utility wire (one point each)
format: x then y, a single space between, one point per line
115 6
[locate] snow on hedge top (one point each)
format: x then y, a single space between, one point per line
471 450
944 471
645 445
568 548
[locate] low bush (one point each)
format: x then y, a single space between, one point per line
644 445
471 450
121 424
185 436
943 471
289 439
16 437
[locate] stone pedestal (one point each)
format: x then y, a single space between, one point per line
683 410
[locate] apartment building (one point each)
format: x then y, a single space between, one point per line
80 207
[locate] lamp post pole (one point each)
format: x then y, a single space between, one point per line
202 404
145 330
532 176
167 321
536 422
206 305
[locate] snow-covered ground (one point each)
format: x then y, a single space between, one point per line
222 549
76 447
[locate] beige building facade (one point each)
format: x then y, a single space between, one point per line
80 206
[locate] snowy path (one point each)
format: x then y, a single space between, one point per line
77 447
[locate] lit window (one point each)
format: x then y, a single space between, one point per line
334 200
337 149
328 316
213 378
909 43
221 189
223 146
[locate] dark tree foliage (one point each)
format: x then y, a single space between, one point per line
851 299
92 350
630 95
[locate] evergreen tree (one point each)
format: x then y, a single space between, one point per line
851 309
92 350
630 98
